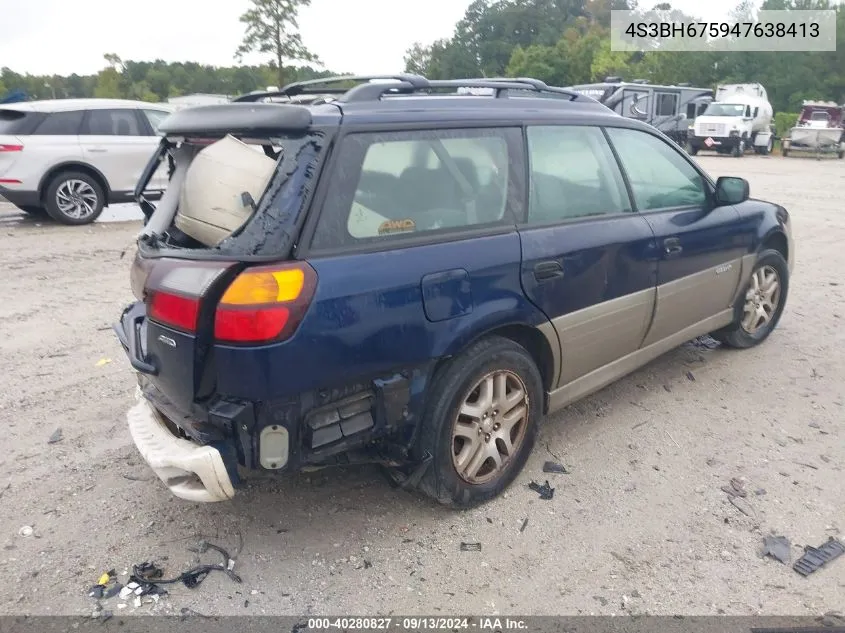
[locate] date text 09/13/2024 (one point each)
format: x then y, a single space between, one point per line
416 624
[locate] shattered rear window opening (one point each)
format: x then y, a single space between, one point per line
271 216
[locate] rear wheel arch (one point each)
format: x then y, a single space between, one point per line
54 171
528 337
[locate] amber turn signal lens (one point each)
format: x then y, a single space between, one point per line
256 287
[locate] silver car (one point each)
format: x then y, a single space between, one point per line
72 157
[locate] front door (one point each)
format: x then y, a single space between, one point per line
700 248
587 259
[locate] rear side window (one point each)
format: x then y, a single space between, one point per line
60 124
573 175
155 117
112 123
12 121
398 184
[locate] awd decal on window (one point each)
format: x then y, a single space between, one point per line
397 226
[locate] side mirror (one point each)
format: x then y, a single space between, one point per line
731 190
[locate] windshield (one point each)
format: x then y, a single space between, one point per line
725 109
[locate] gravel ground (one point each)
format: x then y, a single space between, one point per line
640 526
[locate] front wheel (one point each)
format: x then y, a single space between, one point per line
739 149
74 198
481 422
759 309
692 150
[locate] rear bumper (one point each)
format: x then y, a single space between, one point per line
191 471
20 198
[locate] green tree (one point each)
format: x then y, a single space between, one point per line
272 27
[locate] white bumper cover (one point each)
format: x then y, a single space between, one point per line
190 471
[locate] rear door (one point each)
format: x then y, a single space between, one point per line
587 257
118 142
700 247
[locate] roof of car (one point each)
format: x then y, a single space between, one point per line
63 105
468 108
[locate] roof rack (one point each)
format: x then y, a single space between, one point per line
373 91
305 87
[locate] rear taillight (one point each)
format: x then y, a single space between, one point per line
173 289
11 148
265 303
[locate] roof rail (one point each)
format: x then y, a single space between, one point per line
373 92
305 87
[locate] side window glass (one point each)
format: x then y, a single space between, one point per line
666 104
407 183
60 124
573 175
155 117
122 122
660 177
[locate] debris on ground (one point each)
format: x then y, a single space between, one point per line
26 530
470 547
145 579
56 436
777 547
554 467
103 361
736 488
545 491
690 376
816 557
524 525
743 506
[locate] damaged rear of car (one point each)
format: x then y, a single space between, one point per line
241 177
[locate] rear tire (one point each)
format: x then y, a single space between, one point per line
482 402
74 198
758 309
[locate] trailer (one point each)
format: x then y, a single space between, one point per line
670 109
820 128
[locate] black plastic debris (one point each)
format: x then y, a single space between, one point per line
554 467
524 525
545 491
470 547
736 488
690 376
56 436
778 548
815 558
96 592
148 571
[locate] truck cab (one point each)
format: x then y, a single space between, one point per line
740 117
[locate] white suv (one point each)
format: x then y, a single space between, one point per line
72 157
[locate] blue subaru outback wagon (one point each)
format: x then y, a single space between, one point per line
424 270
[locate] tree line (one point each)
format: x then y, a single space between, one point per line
563 42
270 28
567 42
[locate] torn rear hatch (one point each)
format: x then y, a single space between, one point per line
241 178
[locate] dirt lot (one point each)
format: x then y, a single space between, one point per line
640 525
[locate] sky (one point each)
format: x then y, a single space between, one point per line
62 37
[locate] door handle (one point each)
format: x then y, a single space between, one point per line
544 271
672 246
